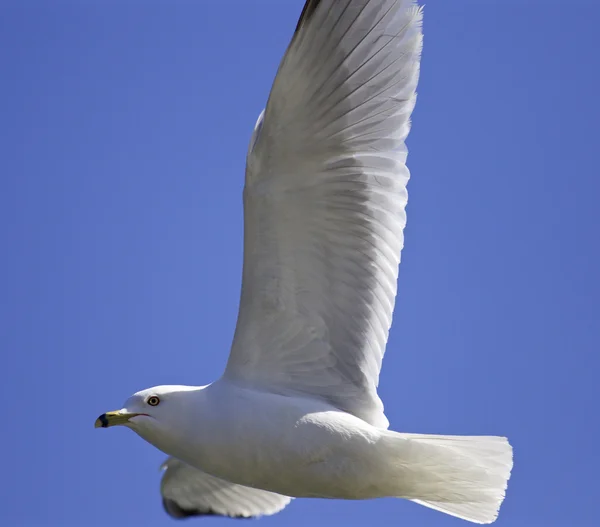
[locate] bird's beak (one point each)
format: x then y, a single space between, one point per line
119 417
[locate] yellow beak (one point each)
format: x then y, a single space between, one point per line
113 419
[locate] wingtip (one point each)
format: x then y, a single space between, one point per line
308 10
174 510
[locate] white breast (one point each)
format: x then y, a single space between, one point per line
293 446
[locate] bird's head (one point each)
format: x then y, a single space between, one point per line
156 414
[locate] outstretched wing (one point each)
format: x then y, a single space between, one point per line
187 491
324 206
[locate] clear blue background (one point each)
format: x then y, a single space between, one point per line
123 132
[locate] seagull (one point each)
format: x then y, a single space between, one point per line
296 413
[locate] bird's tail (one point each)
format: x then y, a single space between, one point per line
464 476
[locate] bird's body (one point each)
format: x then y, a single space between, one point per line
296 413
295 446
302 447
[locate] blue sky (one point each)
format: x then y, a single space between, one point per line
124 128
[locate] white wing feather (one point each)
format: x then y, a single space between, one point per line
188 491
324 206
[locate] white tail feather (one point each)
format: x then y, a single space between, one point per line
464 476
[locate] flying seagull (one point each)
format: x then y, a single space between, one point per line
296 412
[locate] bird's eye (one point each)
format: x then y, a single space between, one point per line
153 400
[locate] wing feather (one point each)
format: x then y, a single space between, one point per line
187 492
324 205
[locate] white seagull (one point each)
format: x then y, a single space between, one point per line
296 413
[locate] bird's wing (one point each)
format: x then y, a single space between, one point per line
324 206
187 491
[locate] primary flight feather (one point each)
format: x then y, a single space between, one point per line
296 413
